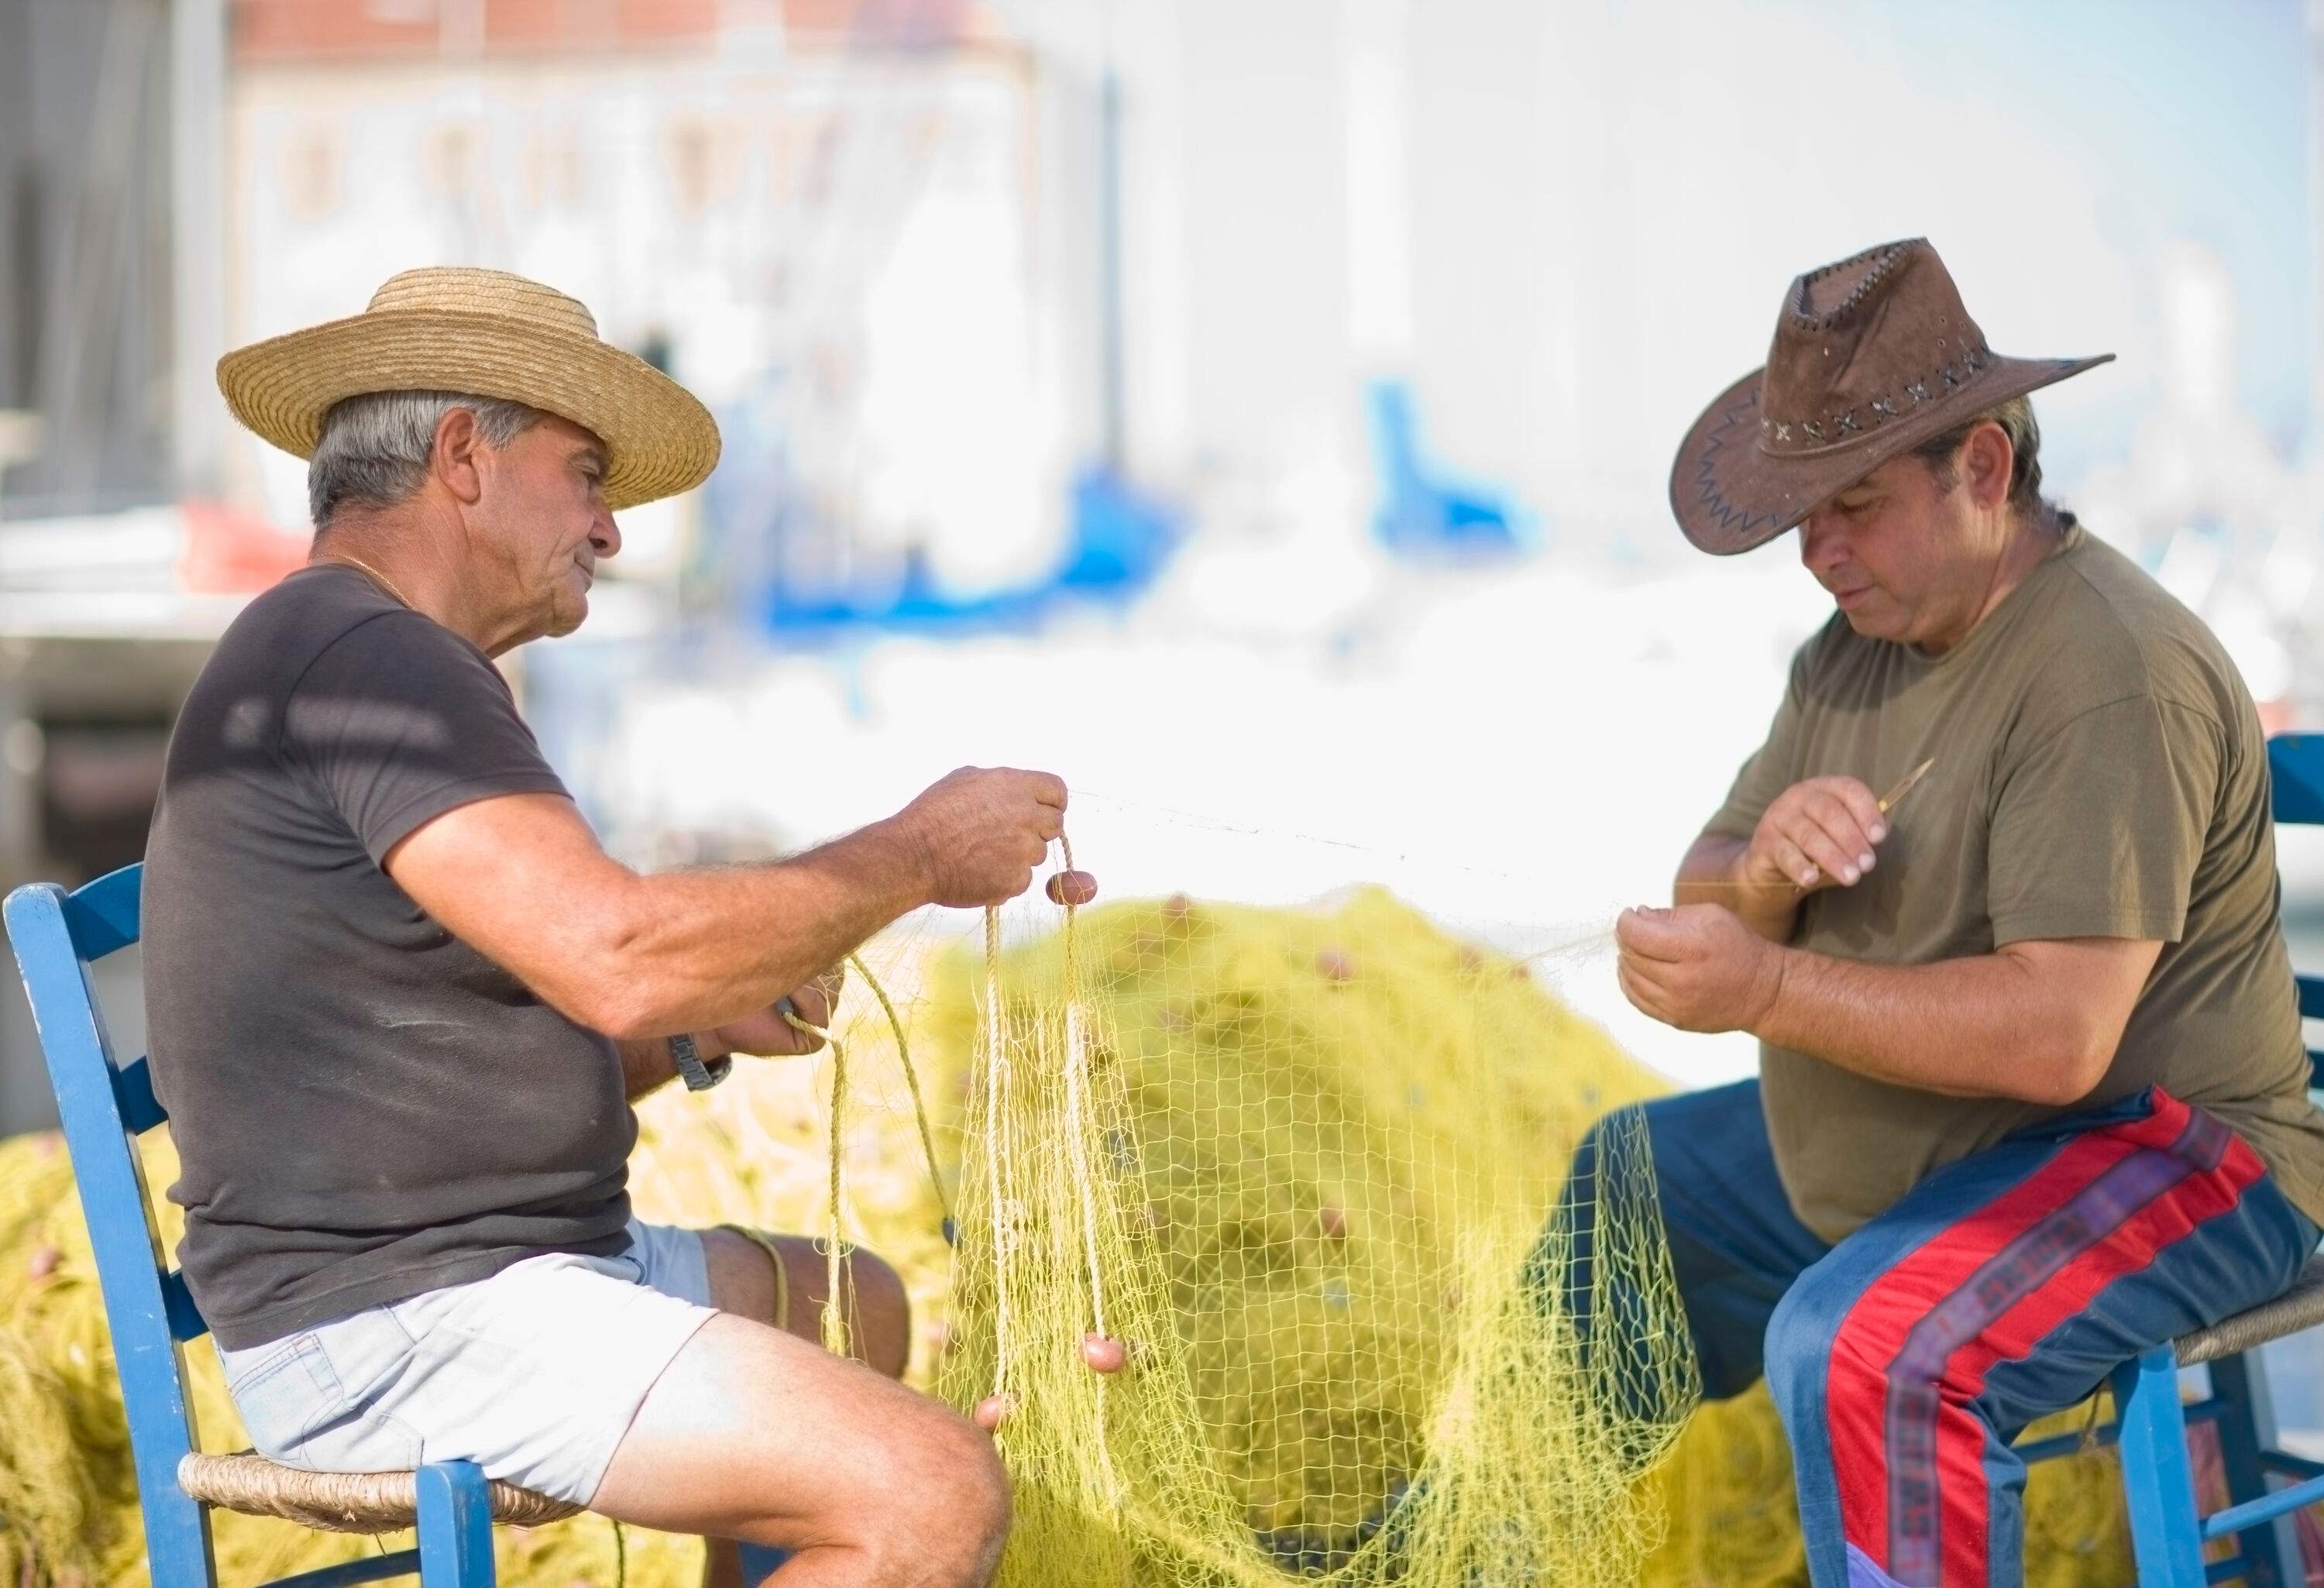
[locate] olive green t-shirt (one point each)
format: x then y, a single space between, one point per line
2100 772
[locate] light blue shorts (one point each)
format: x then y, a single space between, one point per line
534 1373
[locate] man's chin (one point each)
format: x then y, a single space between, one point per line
1870 623
568 617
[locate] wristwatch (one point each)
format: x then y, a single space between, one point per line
688 1059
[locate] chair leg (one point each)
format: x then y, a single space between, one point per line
2246 1426
2158 1482
455 1526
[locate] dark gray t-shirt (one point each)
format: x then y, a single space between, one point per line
364 1107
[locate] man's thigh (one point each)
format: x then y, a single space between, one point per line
1736 1246
755 1433
2025 1273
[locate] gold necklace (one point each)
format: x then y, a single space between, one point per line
381 579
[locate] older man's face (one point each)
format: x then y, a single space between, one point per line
546 504
1907 558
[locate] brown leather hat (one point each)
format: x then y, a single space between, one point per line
1872 357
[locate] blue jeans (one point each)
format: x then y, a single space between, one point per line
2002 1287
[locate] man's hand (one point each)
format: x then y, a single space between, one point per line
980 831
1697 967
766 1034
1818 834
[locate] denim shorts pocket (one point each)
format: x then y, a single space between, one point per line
288 1393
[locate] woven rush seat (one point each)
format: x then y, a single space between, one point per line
339 1502
2298 1308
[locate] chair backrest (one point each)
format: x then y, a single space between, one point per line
2295 763
105 1107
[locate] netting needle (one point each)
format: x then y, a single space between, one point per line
1904 787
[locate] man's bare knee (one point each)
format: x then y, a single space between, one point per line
951 1531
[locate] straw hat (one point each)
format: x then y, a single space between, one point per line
1872 357
482 332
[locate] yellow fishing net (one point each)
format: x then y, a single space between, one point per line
1293 1164
1294 1169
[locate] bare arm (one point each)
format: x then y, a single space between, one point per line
2038 1021
522 880
646 1064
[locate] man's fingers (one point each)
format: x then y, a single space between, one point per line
1851 846
1643 996
1846 810
1793 862
1646 934
812 1004
1864 805
1832 857
1048 789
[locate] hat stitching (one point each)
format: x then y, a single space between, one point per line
1706 472
1974 360
1887 254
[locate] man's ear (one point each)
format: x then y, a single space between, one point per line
1987 459
454 458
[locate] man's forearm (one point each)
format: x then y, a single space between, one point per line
700 948
1979 1026
1713 873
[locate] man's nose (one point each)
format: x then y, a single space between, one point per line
1822 545
605 535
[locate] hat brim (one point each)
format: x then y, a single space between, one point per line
658 438
1730 494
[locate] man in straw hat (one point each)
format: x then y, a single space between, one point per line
2031 1094
400 1000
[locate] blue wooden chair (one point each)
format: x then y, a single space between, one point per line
2168 1529
105 1107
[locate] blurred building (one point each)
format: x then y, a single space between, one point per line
860 232
97 641
84 254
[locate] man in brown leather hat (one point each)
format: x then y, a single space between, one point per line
2032 1095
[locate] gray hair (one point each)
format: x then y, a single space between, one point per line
2016 418
374 449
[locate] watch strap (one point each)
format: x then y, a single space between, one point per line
698 1074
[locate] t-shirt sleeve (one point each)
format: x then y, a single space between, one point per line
400 720
2097 829
1768 772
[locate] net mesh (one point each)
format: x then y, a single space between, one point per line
1294 1170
